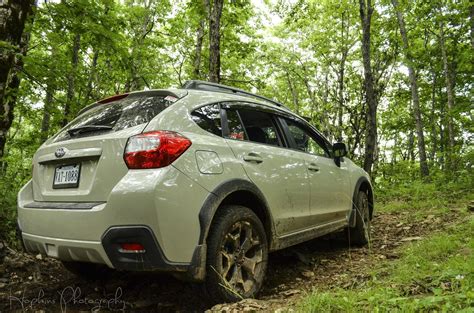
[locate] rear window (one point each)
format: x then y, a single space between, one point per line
118 115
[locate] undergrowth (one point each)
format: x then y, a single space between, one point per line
434 274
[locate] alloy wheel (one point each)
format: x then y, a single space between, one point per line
241 255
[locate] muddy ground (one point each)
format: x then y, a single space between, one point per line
32 283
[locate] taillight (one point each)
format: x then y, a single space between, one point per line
154 149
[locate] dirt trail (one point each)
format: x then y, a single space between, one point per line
32 283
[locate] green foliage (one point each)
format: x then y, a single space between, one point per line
17 174
306 54
435 274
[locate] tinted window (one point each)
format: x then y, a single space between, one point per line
304 140
120 114
208 118
236 130
259 127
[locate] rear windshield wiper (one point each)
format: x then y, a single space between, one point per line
87 128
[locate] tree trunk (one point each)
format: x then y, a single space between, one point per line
13 17
410 148
342 66
355 119
434 131
214 41
340 111
294 93
71 79
48 102
450 92
414 93
92 77
366 10
442 134
198 50
199 39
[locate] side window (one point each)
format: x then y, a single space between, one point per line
304 140
208 118
236 130
260 127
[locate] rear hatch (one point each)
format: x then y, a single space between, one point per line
84 161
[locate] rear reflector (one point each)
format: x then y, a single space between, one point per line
132 248
154 149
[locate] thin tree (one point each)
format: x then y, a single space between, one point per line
414 92
71 79
366 10
450 93
204 13
215 41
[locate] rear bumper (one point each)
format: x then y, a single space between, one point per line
147 199
66 249
107 251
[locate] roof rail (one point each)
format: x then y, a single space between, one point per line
207 86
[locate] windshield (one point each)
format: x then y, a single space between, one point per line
115 116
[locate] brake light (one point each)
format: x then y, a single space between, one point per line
113 98
154 149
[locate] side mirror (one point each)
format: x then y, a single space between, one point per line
339 149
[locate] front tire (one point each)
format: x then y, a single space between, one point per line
360 234
237 255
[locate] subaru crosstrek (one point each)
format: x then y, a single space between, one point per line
202 181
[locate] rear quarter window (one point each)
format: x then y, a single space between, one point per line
208 118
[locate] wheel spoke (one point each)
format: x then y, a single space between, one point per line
249 264
227 262
246 245
236 277
233 237
250 241
246 236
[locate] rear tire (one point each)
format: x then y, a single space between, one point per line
237 255
88 271
360 234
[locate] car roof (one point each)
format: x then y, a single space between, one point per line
197 98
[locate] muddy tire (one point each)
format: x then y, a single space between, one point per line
237 254
360 234
88 271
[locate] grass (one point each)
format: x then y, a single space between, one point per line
418 200
434 274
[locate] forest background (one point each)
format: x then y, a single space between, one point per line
393 79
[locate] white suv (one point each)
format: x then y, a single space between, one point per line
202 181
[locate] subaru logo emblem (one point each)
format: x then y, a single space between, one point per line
60 152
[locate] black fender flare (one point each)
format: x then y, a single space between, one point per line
370 194
217 196
197 268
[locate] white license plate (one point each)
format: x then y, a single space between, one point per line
67 176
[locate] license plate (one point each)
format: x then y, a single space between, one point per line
67 176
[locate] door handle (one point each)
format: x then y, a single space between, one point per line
253 157
313 167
